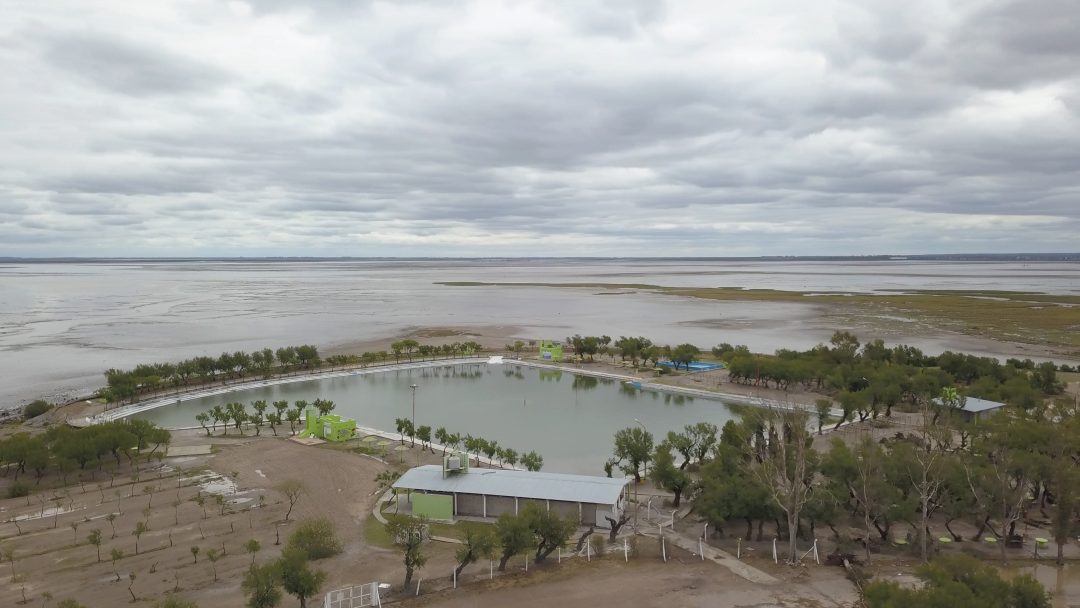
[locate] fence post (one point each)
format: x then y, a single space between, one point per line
816 557
625 550
588 550
418 581
526 562
774 551
738 548
663 548
454 571
491 569
560 555
701 549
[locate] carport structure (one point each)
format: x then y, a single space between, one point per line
488 493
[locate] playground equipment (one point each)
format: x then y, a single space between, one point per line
330 427
550 350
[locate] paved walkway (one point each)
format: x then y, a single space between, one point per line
719 556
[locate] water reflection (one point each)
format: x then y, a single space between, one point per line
569 423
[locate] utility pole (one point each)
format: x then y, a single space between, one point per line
414 387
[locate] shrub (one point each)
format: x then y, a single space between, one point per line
35 409
18 490
316 538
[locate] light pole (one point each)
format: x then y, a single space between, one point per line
414 387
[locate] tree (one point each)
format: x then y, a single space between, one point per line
252 546
959 580
443 437
261 586
213 555
408 534
513 536
549 530
94 538
477 543
423 433
316 538
633 448
293 489
202 418
684 354
140 529
297 577
784 465
195 553
823 409
116 555
532 461
667 475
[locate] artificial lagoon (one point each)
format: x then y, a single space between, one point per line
568 418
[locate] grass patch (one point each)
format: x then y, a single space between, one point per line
375 533
457 530
1011 316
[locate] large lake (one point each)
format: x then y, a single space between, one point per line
569 419
62 325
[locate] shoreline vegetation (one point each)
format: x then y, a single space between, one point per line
1009 316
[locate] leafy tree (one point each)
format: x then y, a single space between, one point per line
684 354
959 580
423 433
140 529
633 448
667 475
315 538
260 585
823 408
94 538
297 577
408 534
549 530
172 601
252 546
476 543
513 536
532 461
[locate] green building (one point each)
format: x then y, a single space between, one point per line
330 427
550 350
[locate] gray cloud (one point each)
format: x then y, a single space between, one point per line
576 128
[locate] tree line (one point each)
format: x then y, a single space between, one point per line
129 385
473 446
236 415
635 349
1019 465
64 450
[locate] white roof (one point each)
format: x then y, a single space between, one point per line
520 484
975 405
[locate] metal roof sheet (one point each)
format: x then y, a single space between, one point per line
522 484
976 405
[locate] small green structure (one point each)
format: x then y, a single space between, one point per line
550 350
330 427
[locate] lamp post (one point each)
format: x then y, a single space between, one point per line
414 387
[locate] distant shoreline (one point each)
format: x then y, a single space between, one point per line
894 257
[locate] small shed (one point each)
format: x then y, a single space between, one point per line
974 408
488 493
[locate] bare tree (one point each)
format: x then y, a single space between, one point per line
293 489
779 457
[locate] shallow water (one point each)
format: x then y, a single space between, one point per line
569 419
62 325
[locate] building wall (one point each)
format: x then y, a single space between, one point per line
471 505
497 505
568 510
433 506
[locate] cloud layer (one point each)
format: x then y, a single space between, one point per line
335 127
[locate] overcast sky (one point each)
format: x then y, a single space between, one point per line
344 127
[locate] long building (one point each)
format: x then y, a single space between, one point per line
441 493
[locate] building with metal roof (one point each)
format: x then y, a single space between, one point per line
974 408
448 492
